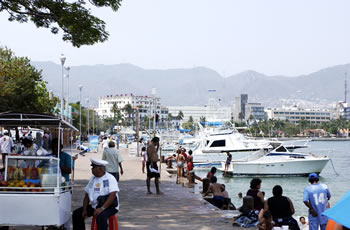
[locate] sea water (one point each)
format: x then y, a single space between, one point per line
293 187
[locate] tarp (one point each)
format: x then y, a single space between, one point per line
340 211
127 131
93 143
211 123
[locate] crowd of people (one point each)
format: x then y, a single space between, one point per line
278 210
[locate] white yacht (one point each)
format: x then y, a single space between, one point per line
278 162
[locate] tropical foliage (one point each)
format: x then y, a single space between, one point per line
21 86
74 18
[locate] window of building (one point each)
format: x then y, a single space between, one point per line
218 143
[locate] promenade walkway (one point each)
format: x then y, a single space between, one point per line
178 208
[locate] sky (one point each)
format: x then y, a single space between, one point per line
273 37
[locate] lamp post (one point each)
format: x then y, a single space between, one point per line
88 119
93 120
155 111
67 76
80 89
63 59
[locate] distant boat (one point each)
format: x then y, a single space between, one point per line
278 162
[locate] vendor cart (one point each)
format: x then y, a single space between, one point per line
33 192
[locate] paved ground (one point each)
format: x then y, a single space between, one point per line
179 208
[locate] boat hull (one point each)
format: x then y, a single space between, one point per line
287 168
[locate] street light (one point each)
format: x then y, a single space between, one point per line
155 110
80 89
63 59
88 110
67 76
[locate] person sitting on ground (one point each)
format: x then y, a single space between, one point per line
180 161
303 225
281 209
114 159
227 200
216 189
101 197
211 173
169 160
248 216
254 191
265 220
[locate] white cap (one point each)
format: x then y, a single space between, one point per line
98 162
6 132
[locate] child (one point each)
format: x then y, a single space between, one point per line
143 158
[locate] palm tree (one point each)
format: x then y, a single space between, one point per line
129 110
180 116
114 110
240 116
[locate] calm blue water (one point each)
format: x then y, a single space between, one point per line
293 187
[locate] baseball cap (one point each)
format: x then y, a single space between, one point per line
313 176
98 162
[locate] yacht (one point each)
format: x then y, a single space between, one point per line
278 162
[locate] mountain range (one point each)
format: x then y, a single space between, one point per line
190 86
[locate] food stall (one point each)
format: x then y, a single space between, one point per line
33 192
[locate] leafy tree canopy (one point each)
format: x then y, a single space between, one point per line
21 86
74 18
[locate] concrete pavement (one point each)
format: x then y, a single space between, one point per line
178 208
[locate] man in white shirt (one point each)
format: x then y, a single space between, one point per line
101 198
6 145
105 143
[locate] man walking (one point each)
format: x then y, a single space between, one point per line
114 159
151 165
316 196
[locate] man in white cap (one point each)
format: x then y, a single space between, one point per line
101 197
316 196
6 145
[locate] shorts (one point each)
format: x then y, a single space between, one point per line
154 166
180 164
228 162
218 201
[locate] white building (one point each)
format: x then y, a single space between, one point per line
147 105
295 114
218 114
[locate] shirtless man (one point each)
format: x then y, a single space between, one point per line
152 158
216 189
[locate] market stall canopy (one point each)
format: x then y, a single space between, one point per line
32 120
127 131
340 211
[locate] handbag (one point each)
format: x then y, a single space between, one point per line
102 199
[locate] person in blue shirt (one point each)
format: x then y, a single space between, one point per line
316 196
66 161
